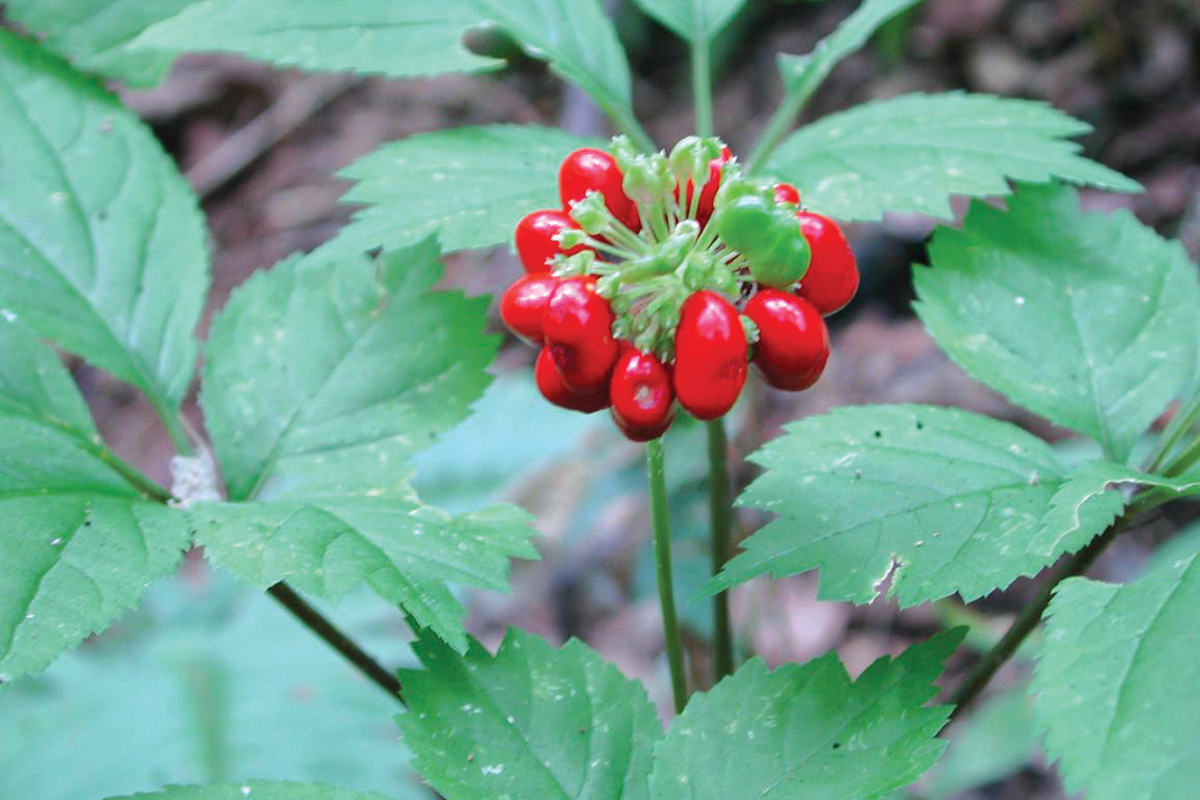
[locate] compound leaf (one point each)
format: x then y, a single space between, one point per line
949 497
321 382
470 185
1087 319
102 246
808 731
531 721
1112 684
911 153
95 34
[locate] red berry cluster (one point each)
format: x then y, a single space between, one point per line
641 308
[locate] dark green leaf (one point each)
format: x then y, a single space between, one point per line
531 721
101 243
950 498
912 153
470 185
95 33
808 731
1114 684
1088 319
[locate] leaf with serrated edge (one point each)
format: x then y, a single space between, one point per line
79 544
808 731
912 153
803 74
471 185
101 243
1114 684
256 790
94 34
952 498
531 721
1091 499
322 379
693 20
34 384
1087 319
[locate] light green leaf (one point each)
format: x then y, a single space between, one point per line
101 243
208 681
34 383
399 39
693 20
803 74
256 790
470 185
531 721
950 498
95 33
322 380
325 377
1114 684
78 544
1087 319
808 731
911 153
1091 499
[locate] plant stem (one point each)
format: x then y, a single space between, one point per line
1181 464
983 672
175 429
720 515
627 123
1175 431
779 124
322 627
662 564
702 87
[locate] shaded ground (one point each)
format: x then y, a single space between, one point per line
263 146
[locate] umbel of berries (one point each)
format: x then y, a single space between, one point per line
664 276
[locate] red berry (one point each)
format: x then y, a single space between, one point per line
589 169
551 385
536 242
786 193
832 277
708 192
641 394
578 333
523 304
793 343
710 355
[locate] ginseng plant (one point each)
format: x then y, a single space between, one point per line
657 283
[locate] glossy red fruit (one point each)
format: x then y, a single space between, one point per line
523 305
793 343
832 277
710 356
587 169
643 402
577 327
786 193
536 242
708 192
551 385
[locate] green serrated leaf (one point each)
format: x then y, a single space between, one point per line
385 37
322 380
1087 319
256 790
531 721
34 384
95 34
808 731
949 497
101 242
693 20
912 153
1091 500
1113 686
470 185
803 74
